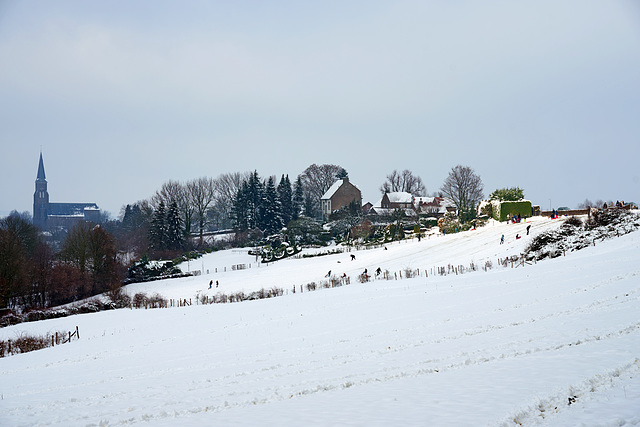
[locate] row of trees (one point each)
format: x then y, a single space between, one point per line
243 201
262 205
32 275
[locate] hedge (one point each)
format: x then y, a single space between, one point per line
507 210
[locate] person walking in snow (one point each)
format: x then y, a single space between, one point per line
210 284
328 274
353 257
378 271
216 283
502 239
528 227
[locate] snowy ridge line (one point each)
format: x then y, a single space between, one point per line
547 407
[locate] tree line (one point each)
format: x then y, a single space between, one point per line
32 275
92 259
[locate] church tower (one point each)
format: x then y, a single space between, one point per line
40 198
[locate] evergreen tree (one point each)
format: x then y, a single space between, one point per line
240 211
271 209
175 228
309 208
285 195
133 218
158 230
254 200
298 200
342 173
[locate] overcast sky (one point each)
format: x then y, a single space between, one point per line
122 96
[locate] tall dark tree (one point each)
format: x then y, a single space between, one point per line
158 231
297 203
240 210
254 199
285 196
175 228
249 203
271 209
464 188
133 231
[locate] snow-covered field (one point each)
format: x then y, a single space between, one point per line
555 344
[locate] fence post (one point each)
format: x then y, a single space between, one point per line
77 333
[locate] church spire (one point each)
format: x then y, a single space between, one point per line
41 175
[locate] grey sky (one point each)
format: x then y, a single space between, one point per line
123 96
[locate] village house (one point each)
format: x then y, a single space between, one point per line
412 206
433 206
341 194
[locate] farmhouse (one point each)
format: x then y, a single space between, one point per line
341 194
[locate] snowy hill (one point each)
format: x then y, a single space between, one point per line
555 343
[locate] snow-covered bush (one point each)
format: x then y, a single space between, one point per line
574 235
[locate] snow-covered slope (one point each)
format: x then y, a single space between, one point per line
435 250
556 343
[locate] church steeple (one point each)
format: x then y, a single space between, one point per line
41 176
41 198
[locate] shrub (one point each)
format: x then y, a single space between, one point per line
409 273
572 222
157 301
118 298
139 300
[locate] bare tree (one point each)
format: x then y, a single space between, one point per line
464 188
405 182
201 193
174 191
316 180
227 186
589 204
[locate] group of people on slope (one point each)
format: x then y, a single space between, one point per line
518 236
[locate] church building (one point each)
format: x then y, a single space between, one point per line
48 215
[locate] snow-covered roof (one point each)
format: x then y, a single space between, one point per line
390 211
332 190
336 185
419 200
400 197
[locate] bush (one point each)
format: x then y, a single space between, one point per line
572 222
118 298
139 300
157 301
145 270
